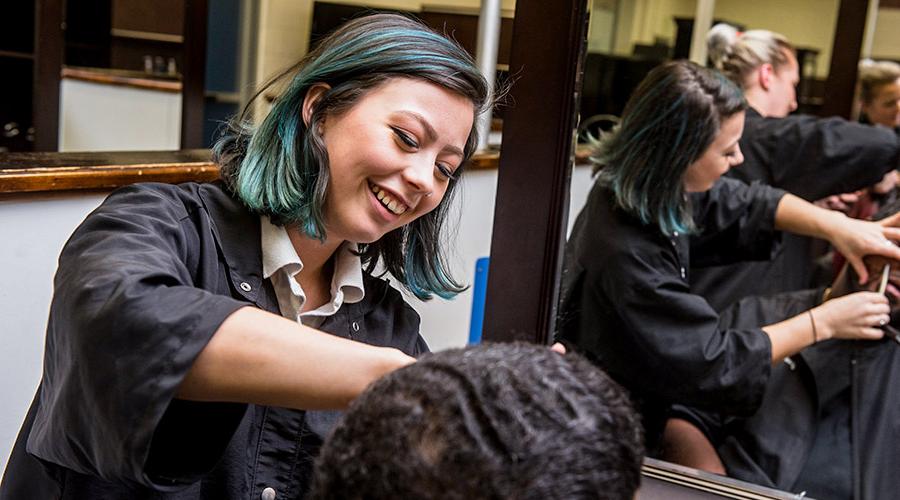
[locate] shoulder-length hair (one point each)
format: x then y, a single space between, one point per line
668 123
281 168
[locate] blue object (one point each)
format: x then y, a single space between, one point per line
479 291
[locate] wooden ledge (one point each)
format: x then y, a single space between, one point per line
43 172
122 78
40 172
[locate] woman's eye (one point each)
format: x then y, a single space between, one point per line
405 138
445 171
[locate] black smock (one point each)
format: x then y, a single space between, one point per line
627 305
142 285
829 423
811 158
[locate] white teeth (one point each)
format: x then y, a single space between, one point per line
391 204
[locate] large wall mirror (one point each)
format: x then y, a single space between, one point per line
636 36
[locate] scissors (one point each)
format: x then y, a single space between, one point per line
882 286
885 273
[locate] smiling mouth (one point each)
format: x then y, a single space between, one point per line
395 206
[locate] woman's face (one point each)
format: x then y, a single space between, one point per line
721 155
782 93
391 156
884 108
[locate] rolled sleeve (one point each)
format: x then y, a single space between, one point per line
127 321
671 344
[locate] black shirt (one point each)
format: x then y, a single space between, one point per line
626 302
142 285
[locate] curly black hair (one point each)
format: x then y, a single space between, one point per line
495 421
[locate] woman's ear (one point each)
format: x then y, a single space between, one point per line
315 92
764 75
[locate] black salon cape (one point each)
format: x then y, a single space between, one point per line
829 423
811 158
142 285
627 305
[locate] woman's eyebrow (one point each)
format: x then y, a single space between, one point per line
429 130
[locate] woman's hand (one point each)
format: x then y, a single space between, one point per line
859 315
839 202
856 238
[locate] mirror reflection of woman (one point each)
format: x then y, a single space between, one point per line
879 102
879 93
626 299
193 325
808 156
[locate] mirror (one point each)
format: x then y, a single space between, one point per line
654 31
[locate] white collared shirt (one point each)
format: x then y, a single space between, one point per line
281 264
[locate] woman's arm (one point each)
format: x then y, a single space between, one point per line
258 357
853 238
854 316
813 157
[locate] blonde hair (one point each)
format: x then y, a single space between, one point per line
873 74
739 54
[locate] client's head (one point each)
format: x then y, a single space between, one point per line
495 421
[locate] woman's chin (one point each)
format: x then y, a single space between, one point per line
367 236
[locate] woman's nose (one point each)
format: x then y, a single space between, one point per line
420 174
738 157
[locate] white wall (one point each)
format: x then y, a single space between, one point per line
33 230
445 323
886 42
104 117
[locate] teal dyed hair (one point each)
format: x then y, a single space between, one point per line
668 123
281 168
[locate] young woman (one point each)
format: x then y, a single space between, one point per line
879 100
810 157
626 300
879 93
191 325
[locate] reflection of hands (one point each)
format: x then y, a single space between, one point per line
887 183
856 239
839 202
847 280
856 316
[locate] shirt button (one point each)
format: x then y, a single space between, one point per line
355 326
682 273
675 234
268 494
246 287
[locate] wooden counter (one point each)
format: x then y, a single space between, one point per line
38 172
42 172
124 78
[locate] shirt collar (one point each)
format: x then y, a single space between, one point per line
278 252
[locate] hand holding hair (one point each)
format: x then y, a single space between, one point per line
856 239
853 238
856 316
